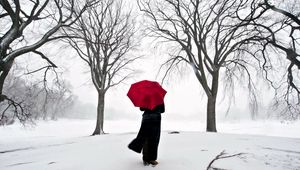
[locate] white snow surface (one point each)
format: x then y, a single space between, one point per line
66 145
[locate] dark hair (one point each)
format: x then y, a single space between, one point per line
142 109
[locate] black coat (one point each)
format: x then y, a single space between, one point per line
149 133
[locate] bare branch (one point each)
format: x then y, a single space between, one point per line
222 155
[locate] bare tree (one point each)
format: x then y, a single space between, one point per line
286 41
277 50
208 36
27 25
104 37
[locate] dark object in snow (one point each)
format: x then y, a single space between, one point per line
174 132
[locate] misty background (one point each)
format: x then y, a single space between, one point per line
185 98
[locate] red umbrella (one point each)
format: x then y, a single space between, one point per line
146 94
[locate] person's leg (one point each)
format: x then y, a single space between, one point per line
146 151
137 143
154 141
147 129
151 144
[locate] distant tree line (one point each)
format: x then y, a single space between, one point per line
34 100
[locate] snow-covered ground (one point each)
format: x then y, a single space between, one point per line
66 145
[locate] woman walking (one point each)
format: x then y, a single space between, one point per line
149 97
148 136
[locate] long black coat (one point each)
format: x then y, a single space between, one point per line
149 133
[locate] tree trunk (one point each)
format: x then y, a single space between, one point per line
211 105
4 72
211 114
100 114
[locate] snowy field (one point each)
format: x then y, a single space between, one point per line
66 145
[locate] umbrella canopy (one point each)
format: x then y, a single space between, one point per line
146 94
